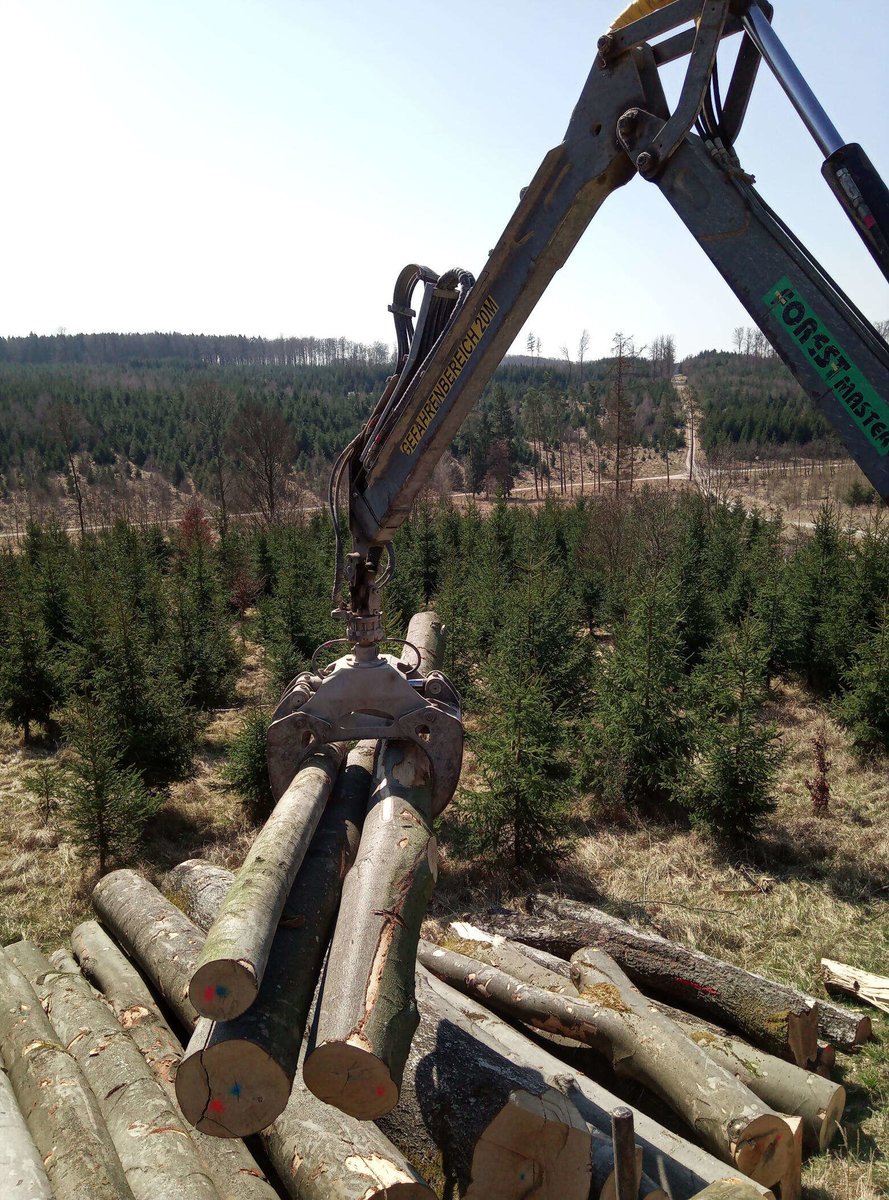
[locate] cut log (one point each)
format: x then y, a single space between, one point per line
728 1189
228 974
366 1015
234 1169
614 1018
778 1018
426 633
198 888
791 1182
453 1028
253 1058
786 1088
843 1027
156 934
22 1176
783 1086
538 968
537 1144
61 1111
28 957
151 1138
874 989
456 1089
343 1159
64 960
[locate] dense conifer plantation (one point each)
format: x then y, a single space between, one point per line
611 653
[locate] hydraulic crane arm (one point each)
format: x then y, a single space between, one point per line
621 126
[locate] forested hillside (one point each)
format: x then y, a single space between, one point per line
753 406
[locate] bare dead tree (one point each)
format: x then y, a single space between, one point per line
263 448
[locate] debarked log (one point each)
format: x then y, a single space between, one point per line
22 1176
458 1097
233 1168
254 1057
151 1138
613 1017
318 1153
61 1111
778 1018
366 1014
673 1163
840 977
228 974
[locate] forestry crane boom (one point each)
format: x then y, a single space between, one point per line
621 127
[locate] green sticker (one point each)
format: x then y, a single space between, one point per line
867 409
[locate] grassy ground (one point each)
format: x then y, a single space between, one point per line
808 886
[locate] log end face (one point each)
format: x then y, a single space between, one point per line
351 1079
830 1118
231 1090
764 1149
222 989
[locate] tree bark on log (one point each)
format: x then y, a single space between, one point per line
198 888
254 1057
614 1018
426 633
778 1018
61 1111
234 1169
782 1085
151 1138
673 1163
366 1014
786 1088
454 1086
160 938
839 977
318 1153
27 957
228 974
64 960
22 1176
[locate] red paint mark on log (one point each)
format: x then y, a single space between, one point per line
216 1106
699 987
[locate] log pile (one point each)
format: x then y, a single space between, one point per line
370 1060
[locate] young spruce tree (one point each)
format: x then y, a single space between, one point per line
105 805
728 787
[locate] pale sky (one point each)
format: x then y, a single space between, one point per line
267 167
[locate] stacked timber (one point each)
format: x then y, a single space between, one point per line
781 1019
